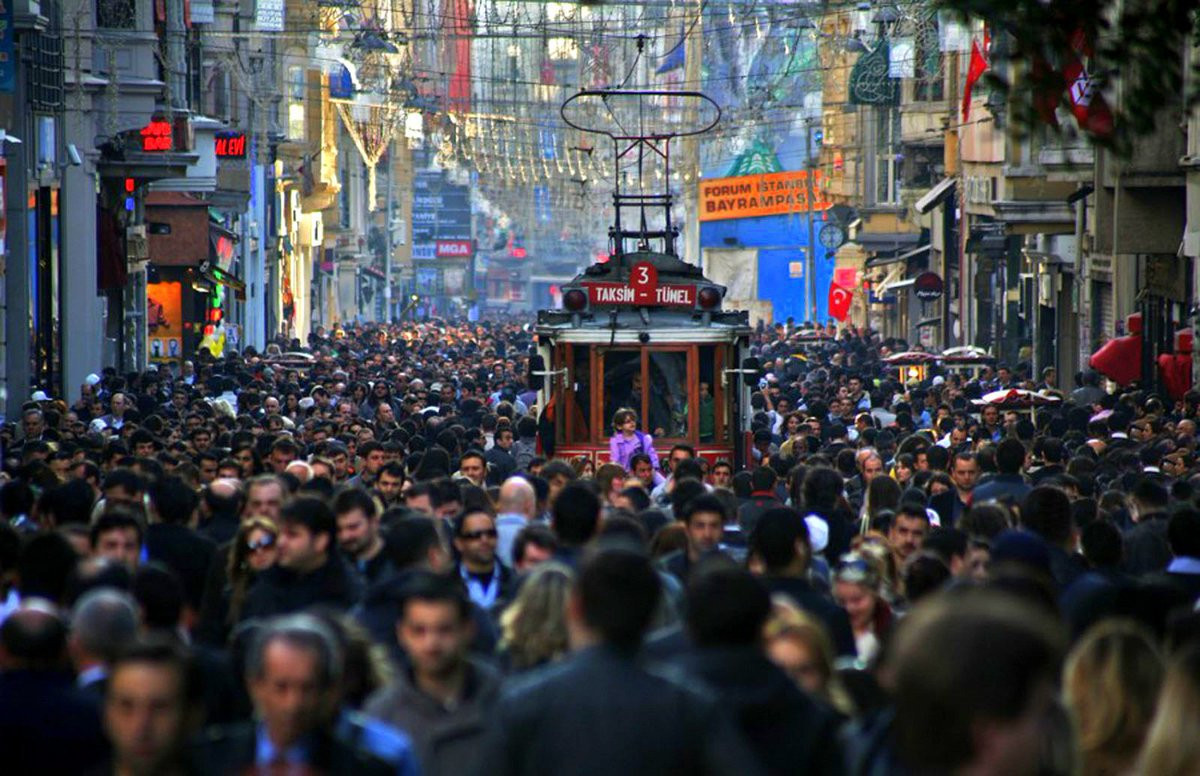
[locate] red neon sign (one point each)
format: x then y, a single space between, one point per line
231 145
156 136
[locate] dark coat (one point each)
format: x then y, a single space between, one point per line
281 591
600 712
788 730
502 464
185 552
1009 488
47 725
446 739
836 621
948 506
232 750
221 527
1146 547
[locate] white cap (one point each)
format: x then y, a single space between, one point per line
92 379
97 425
818 532
939 380
39 396
306 402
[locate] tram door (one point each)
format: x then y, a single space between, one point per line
574 397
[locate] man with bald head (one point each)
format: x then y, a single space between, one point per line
517 508
221 509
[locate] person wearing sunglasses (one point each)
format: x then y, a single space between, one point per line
488 581
254 550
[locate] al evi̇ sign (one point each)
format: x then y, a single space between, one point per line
749 196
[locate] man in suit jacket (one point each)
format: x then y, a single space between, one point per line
292 672
600 711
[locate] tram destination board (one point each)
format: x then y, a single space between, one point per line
667 295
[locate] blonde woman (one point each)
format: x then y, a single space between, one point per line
1111 682
533 628
1172 747
799 644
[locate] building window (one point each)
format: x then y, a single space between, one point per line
887 139
296 88
344 198
116 14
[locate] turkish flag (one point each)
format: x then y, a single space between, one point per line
839 301
975 71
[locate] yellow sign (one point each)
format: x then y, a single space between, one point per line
769 194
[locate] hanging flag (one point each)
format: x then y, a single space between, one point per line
1087 103
975 71
1088 106
839 301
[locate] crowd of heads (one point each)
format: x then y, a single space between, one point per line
360 542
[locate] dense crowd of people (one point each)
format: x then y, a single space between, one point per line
361 557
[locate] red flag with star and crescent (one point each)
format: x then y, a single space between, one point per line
839 301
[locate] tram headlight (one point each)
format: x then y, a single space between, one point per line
575 300
709 298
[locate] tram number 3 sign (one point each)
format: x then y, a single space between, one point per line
643 279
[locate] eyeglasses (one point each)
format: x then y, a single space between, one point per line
265 543
487 533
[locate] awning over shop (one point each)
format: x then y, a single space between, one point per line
373 272
880 261
883 242
887 287
935 196
928 322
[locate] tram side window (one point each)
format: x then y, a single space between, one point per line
668 394
707 405
581 378
622 384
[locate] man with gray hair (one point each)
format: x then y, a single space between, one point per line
517 509
293 672
103 622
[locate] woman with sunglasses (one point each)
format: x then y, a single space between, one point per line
254 551
857 588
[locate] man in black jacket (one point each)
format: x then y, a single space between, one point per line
788 730
781 542
171 541
310 570
599 711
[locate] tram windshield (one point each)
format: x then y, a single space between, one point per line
675 390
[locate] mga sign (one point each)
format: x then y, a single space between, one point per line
454 249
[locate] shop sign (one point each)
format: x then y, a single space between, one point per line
749 196
928 286
231 145
156 136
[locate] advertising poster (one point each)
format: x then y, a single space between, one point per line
164 321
